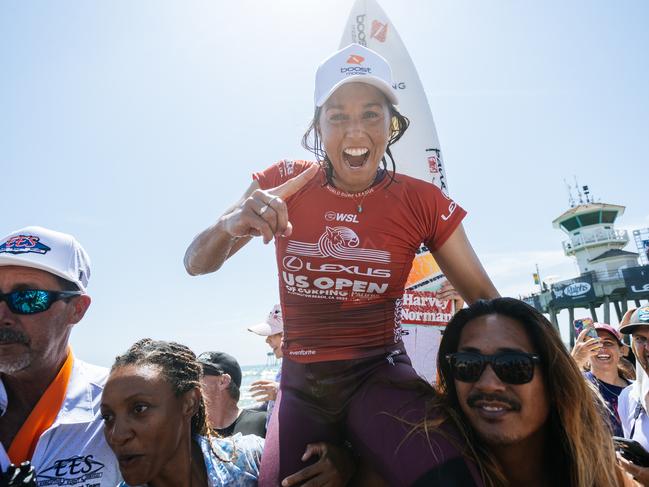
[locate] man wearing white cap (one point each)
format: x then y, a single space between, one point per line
49 400
273 330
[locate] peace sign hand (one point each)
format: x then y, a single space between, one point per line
264 212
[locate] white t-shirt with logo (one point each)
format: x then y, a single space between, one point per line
73 451
635 422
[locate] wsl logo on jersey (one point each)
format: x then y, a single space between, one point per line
24 244
332 216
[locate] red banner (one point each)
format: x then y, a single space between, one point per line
423 308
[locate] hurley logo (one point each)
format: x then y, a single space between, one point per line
355 59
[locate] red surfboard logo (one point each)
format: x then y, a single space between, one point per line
355 59
379 31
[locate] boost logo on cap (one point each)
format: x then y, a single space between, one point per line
353 64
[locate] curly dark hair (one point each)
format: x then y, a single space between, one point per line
311 141
178 365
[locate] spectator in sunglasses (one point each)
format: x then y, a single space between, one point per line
48 398
520 400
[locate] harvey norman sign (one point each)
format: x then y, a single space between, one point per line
573 291
636 280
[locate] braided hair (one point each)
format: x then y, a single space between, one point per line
179 366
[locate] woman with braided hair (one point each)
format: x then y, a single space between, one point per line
156 423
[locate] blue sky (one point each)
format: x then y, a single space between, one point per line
133 125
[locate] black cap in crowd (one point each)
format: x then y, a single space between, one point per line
217 363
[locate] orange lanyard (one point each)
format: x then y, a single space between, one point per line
42 416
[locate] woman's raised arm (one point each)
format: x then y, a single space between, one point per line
258 213
463 269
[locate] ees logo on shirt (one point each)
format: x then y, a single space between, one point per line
82 471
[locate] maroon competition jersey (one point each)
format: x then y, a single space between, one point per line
342 271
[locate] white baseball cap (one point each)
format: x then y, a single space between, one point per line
47 250
353 64
274 323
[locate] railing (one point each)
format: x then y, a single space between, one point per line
607 275
621 236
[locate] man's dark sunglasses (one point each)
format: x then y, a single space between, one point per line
32 301
510 367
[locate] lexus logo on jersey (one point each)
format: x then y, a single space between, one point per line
292 263
379 31
355 59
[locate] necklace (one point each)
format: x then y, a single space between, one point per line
360 196
359 202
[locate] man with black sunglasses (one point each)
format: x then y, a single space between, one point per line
49 400
520 399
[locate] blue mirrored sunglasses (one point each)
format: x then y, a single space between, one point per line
31 301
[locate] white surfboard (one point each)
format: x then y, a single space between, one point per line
417 154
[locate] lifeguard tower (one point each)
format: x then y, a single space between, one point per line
593 239
607 273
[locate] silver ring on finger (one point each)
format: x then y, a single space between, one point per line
265 208
270 202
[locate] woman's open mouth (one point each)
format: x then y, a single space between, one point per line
355 156
128 460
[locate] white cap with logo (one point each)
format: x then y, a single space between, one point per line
353 64
273 325
55 252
